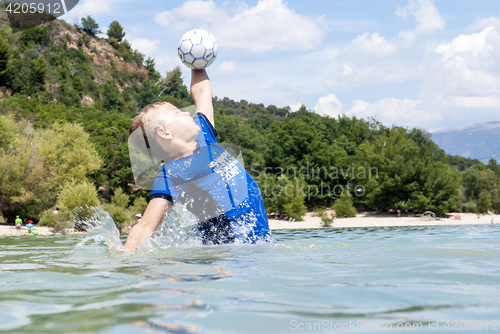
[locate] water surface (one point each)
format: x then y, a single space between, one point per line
369 277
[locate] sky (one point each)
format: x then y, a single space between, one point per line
412 63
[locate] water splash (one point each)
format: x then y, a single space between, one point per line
179 229
101 229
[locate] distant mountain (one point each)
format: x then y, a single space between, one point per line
477 141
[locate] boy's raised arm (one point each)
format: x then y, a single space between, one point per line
153 216
201 91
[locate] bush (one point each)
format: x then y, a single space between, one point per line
120 199
78 198
114 43
470 207
484 202
320 212
343 207
120 215
59 223
5 55
326 222
139 206
36 35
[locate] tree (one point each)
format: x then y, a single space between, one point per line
440 189
283 194
115 31
36 35
492 164
120 199
478 180
398 161
90 26
173 84
79 198
152 72
423 138
484 202
36 163
5 55
344 207
38 73
292 199
111 96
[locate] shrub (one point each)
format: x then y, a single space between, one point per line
5 55
326 222
36 35
120 199
484 202
343 207
59 223
470 207
120 215
78 198
139 205
114 43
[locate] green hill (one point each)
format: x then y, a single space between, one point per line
57 74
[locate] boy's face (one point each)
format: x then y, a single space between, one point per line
180 124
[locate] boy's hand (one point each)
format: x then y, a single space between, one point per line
153 216
201 91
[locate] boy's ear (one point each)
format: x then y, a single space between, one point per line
162 133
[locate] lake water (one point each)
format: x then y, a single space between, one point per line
360 280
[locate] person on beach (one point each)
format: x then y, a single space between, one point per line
19 223
197 173
29 226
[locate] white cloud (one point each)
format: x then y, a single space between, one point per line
352 25
389 111
469 65
294 107
329 106
373 44
475 101
474 43
146 46
483 23
92 7
190 13
268 25
226 67
426 15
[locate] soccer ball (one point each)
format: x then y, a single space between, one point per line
197 49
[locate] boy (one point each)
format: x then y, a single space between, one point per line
29 226
19 223
196 172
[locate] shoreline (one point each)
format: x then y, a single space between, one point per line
363 219
369 219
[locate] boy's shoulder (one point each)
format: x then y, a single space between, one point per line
207 129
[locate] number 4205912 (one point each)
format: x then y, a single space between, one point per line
456 325
17 8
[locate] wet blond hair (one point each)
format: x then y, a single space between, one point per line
143 122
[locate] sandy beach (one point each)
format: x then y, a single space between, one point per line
363 219
10 231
